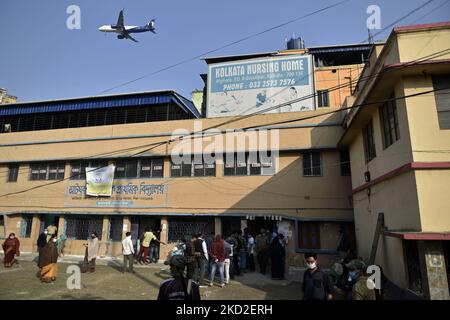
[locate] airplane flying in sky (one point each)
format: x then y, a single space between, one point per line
124 31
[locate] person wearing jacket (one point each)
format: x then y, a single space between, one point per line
218 255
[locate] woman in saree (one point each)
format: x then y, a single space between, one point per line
11 249
49 268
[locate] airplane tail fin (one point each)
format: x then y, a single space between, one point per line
151 25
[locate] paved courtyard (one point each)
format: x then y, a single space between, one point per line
108 282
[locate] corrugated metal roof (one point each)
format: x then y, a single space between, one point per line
112 101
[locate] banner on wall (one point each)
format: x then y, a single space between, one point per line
255 85
99 181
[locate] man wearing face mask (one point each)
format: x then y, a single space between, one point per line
178 287
316 283
92 251
11 249
357 276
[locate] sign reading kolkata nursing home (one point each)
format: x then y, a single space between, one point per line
105 192
254 85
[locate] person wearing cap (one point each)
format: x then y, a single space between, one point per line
360 289
178 287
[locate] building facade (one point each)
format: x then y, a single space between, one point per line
399 141
304 190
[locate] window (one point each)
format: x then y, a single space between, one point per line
80 227
151 168
13 172
322 98
2 226
308 235
126 169
193 168
47 171
180 228
78 170
38 171
25 226
442 97
369 143
254 164
312 164
115 228
345 162
56 171
389 123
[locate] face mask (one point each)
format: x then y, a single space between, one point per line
54 240
352 275
93 237
311 265
45 231
11 237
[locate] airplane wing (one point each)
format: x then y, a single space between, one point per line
127 35
120 24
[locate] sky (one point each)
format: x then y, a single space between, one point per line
41 59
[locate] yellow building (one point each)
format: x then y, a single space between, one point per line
400 158
304 191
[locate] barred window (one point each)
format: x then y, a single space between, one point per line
56 170
25 227
254 164
126 169
193 167
181 228
175 170
312 165
80 227
183 169
47 171
151 168
115 228
13 172
78 170
389 123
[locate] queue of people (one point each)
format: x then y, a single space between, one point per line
228 255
